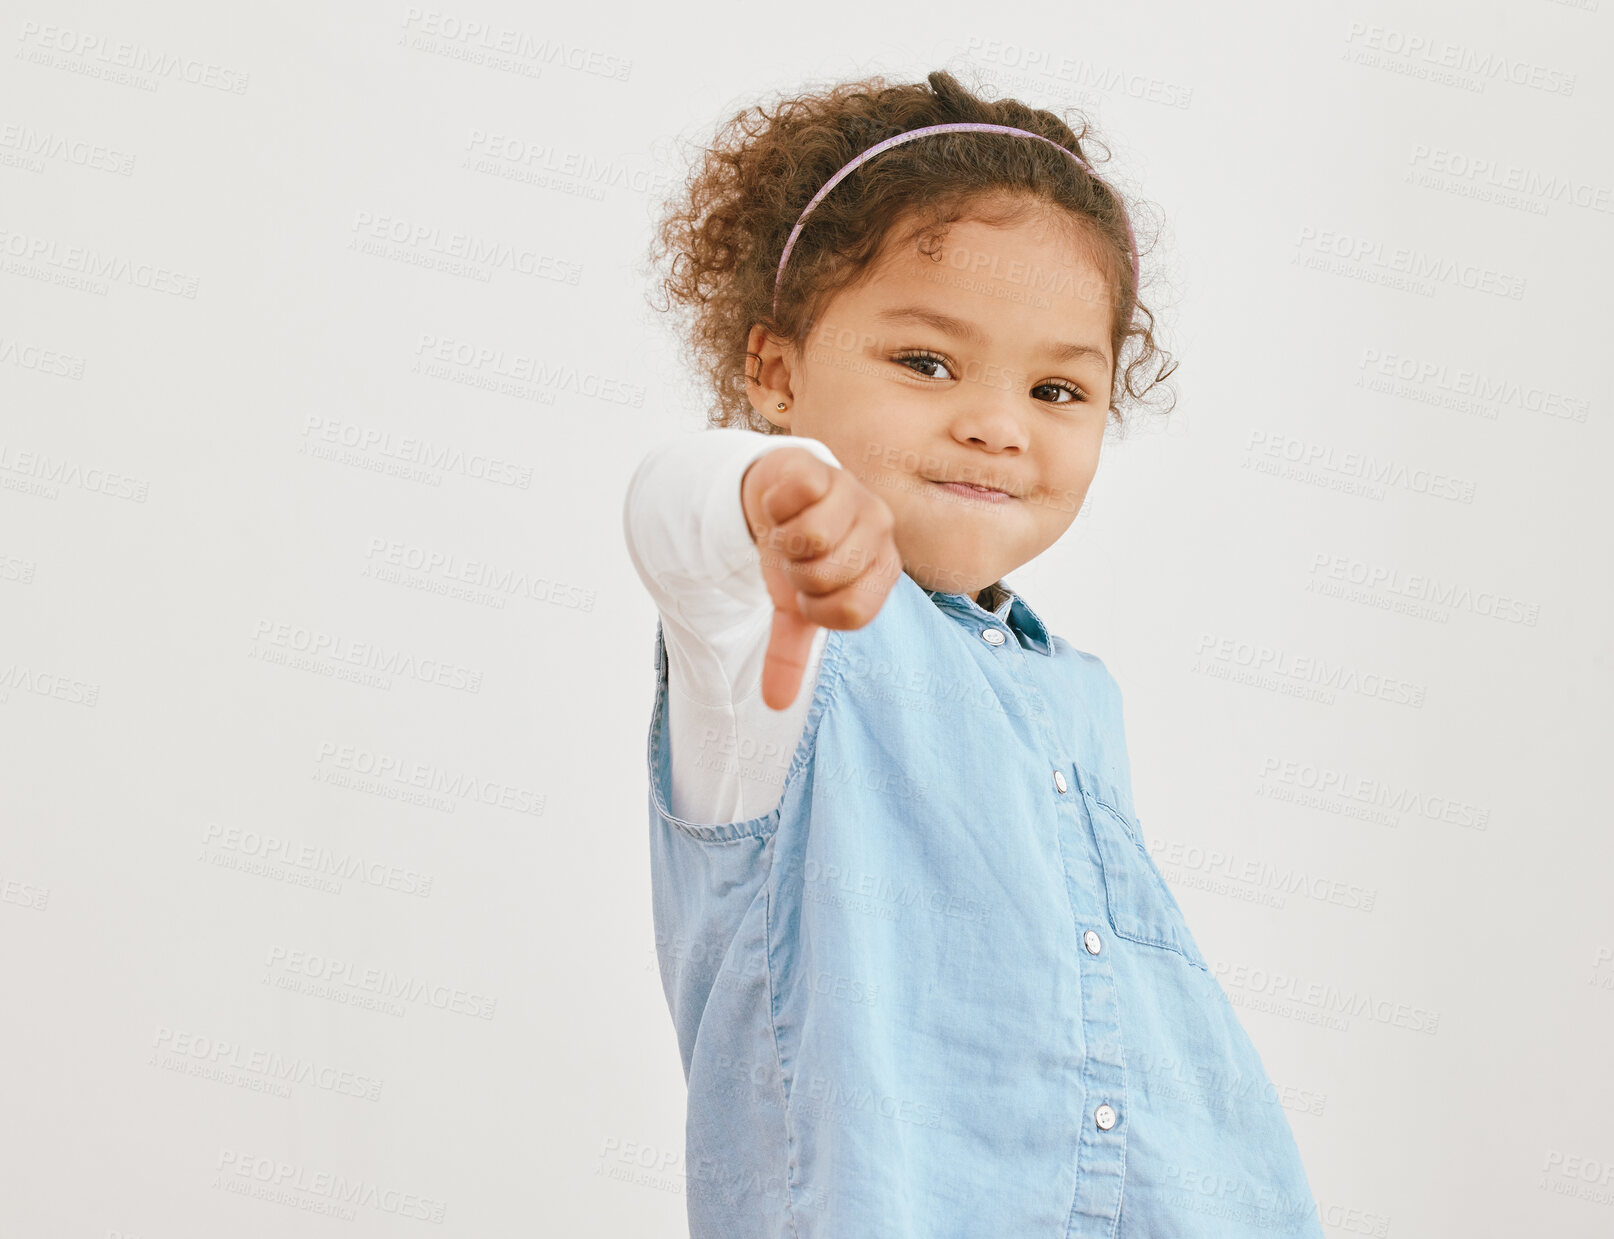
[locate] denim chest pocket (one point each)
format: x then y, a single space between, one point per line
1141 906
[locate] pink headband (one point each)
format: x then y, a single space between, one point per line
909 136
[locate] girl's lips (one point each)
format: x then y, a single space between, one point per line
981 494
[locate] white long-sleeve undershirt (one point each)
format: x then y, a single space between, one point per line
687 537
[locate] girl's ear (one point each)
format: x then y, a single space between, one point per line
768 377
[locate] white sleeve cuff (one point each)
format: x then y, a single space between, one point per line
731 540
682 516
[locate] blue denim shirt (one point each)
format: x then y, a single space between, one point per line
942 989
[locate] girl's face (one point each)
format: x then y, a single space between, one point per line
990 366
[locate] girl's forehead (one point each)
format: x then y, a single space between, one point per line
1050 237
984 258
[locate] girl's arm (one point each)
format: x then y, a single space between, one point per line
686 530
688 540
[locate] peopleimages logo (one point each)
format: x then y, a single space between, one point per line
1442 595
242 1172
95 51
502 47
339 762
416 450
94 266
1476 384
318 859
50 471
1408 263
903 894
40 145
25 356
222 1054
1279 665
1432 54
1330 786
1215 868
1328 1002
331 971
502 579
1530 183
1356 471
1037 58
284 638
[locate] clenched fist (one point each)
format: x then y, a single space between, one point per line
828 556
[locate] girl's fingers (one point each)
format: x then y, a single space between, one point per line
864 544
790 643
858 601
805 483
806 543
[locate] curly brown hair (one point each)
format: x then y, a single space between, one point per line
720 237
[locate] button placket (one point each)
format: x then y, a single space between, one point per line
1100 1150
1103 1140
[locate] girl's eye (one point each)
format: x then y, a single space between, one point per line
916 362
1075 392
922 359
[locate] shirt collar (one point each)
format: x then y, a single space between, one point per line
1008 608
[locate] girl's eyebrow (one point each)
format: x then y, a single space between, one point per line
965 330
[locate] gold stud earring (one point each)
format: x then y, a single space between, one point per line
781 404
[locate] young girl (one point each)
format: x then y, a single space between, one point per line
925 977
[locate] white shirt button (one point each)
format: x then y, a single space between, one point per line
1059 780
1104 1117
1091 942
992 636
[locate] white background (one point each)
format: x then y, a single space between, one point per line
224 235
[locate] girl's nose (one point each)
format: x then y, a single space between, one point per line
991 415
